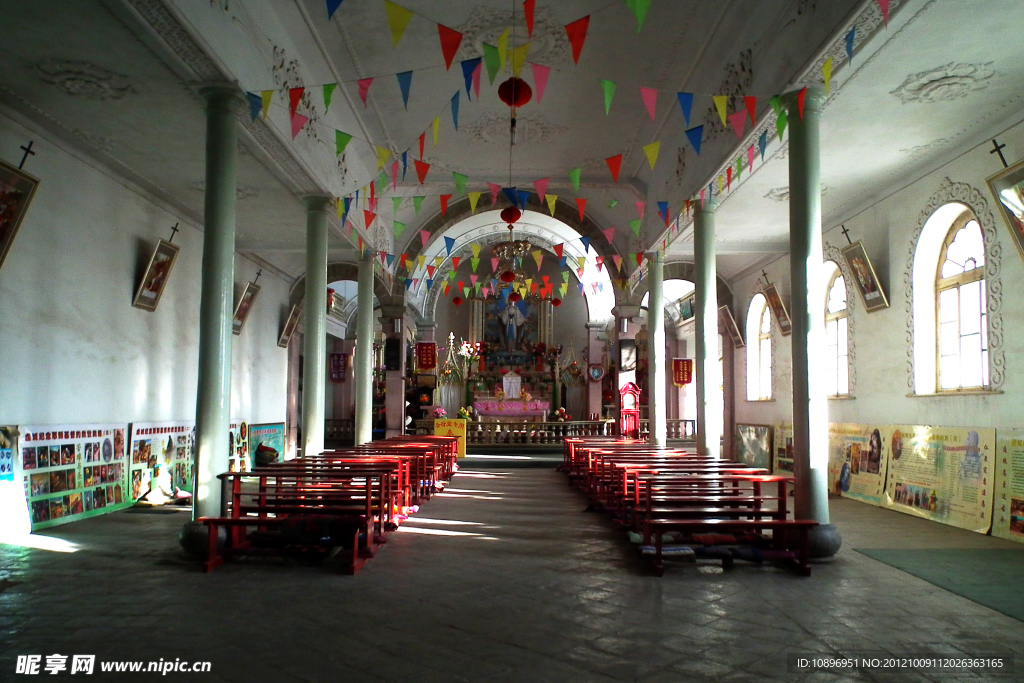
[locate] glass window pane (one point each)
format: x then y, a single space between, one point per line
970 308
837 296
831 331
844 378
948 305
843 344
949 372
949 268
766 321
970 361
949 340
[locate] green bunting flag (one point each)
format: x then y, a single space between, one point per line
328 92
492 61
397 201
609 92
460 182
341 141
399 228
780 124
417 204
565 276
474 262
612 203
574 176
635 225
639 9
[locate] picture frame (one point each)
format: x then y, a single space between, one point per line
289 326
1007 188
771 294
627 355
726 320
595 371
17 189
754 445
686 306
158 272
865 279
244 307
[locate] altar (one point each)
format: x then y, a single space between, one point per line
514 410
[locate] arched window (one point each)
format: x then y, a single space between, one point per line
960 308
837 366
759 350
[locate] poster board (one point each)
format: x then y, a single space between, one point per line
1008 502
858 458
167 444
266 441
754 445
71 472
945 474
452 427
238 454
783 448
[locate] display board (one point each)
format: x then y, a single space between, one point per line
238 435
164 444
783 447
266 443
858 457
452 427
1008 504
71 472
754 445
942 473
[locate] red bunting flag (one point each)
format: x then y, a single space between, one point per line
600 263
401 260
462 283
368 218
444 203
528 7
423 138
577 33
294 97
450 42
800 96
430 271
421 170
456 260
650 98
728 179
884 6
581 203
394 175
614 164
495 189
751 104
609 234
364 88
639 258
558 249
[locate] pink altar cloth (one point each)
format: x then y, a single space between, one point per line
511 408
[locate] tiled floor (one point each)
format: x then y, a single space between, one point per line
503 578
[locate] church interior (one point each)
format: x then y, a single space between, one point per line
602 340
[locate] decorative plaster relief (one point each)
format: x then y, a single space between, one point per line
964 193
241 191
493 127
83 79
952 81
548 45
781 194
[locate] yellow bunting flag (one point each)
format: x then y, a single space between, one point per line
651 151
383 154
265 96
337 206
537 254
581 260
398 19
421 259
564 288
826 71
502 48
552 198
719 184
436 125
720 101
519 55
474 197
476 250
438 260
529 281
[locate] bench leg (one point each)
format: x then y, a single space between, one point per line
659 562
804 565
213 558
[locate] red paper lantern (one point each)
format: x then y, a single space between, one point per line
510 214
514 297
515 92
508 276
556 302
457 300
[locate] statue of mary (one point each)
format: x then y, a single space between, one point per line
511 329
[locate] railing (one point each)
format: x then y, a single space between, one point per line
532 433
339 430
675 429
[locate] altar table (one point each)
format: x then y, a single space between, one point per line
513 410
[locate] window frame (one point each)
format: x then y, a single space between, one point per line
843 314
754 351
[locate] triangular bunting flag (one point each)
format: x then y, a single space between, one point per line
382 156
650 98
577 33
450 42
738 121
641 208
328 93
612 203
475 248
558 249
417 203
476 80
614 164
826 72
399 228
541 186
502 49
609 234
540 79
341 141
494 264
800 98
686 104
421 170
456 260
436 126
635 225
294 97
751 105
551 199
581 204
398 19
538 255
397 201
663 211
780 123
364 88
473 263
639 9
424 237
581 261
510 195
695 135
495 190
762 143
469 67
368 218
394 175
404 81
651 152
574 176
444 203
455 109
255 105
639 259
460 182
332 7
608 87
618 261
519 56
491 61
585 241
266 96
720 102
523 196
298 121
448 244
528 10
850 37
884 6
474 197
751 151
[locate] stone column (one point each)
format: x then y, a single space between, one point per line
709 396
627 316
810 406
364 355
476 320
345 398
656 398
314 340
394 396
216 306
595 355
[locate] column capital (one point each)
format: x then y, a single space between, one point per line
814 100
708 206
626 311
392 312
426 325
316 203
222 95
596 326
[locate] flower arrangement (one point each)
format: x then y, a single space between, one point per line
440 413
561 416
466 413
468 350
525 396
499 393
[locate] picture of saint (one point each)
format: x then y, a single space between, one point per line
28 458
897 445
771 294
244 306
152 287
864 275
16 190
874 453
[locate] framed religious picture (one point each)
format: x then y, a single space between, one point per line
627 355
778 309
686 305
595 371
289 326
245 303
147 297
1008 188
16 191
725 320
870 289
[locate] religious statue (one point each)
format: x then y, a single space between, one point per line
511 329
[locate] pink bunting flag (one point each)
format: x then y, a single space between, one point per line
600 263
494 264
472 279
641 207
609 234
424 236
364 88
650 98
738 121
298 121
618 261
495 189
540 79
476 80
394 175
750 157
884 6
542 187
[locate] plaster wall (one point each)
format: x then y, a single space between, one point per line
72 348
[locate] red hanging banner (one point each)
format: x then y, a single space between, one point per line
338 366
426 355
682 371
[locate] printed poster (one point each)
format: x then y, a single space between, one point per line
1008 509
71 472
946 474
266 443
783 445
238 444
857 461
452 427
162 453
